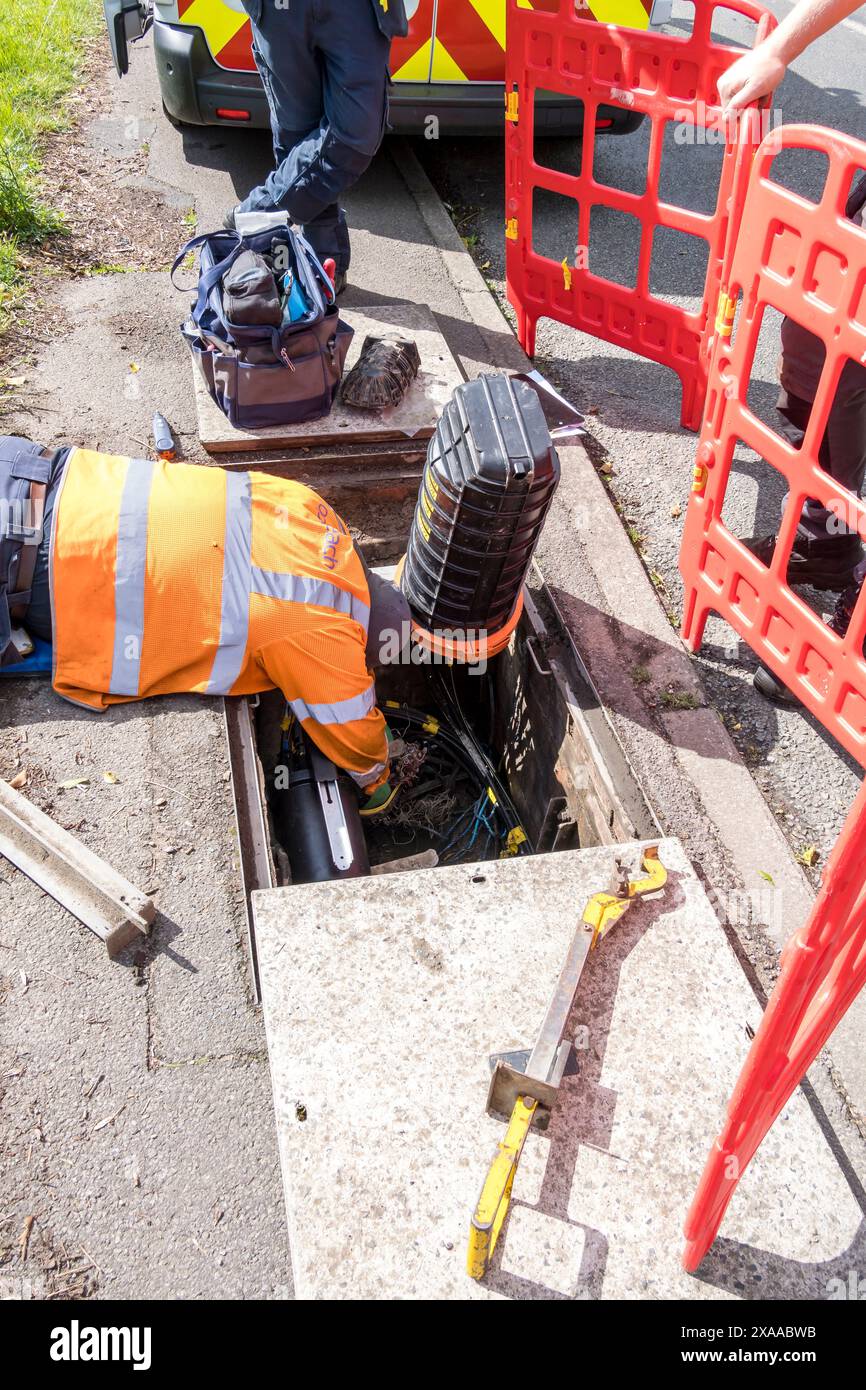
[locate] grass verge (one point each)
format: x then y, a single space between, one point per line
42 45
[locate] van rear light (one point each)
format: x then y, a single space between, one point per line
603 125
228 113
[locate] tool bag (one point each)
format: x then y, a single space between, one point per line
264 375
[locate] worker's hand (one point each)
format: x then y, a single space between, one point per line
385 795
757 74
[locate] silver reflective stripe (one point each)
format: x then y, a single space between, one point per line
363 779
129 577
342 712
235 615
302 588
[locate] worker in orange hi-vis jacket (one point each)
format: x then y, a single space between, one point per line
155 578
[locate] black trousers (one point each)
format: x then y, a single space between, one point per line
842 453
324 68
38 618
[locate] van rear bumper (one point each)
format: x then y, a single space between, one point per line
458 108
194 89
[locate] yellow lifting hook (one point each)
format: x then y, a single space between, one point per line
529 1095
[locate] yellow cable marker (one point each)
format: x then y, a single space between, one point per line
514 839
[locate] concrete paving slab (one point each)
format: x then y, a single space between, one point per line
383 1002
414 418
137 1117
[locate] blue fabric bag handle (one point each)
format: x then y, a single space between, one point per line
185 250
209 278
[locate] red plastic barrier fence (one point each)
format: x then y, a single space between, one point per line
667 79
823 970
807 261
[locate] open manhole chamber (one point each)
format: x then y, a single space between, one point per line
532 715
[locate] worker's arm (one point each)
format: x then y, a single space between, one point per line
759 72
324 677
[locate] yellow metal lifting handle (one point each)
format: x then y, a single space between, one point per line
492 1207
605 909
600 913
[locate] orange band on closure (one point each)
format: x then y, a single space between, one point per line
464 653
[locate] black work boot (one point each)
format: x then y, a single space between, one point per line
844 609
824 564
772 688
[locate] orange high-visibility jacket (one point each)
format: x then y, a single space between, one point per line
169 577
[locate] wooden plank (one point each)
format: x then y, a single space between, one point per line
413 420
383 458
112 907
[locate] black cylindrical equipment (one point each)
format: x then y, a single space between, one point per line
317 818
489 479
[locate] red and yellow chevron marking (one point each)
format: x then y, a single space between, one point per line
469 42
229 34
468 46
410 57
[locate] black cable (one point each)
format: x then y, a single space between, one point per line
452 703
462 745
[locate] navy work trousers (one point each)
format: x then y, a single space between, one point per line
324 65
38 618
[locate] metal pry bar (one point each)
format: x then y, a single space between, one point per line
80 880
528 1096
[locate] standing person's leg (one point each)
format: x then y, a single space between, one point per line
339 45
843 456
295 101
355 81
328 233
827 548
